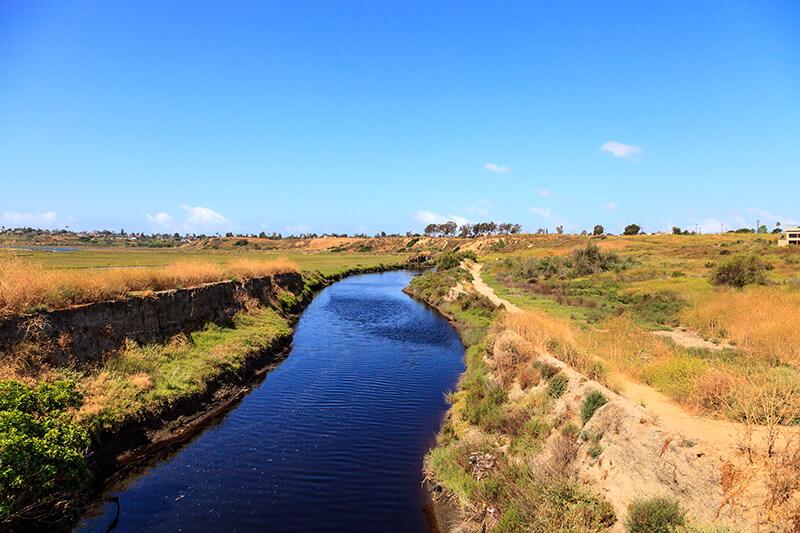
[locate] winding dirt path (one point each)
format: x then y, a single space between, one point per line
484 289
668 415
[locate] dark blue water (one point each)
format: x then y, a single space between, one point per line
332 440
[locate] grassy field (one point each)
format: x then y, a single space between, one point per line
596 310
327 263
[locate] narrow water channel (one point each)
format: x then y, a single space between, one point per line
331 440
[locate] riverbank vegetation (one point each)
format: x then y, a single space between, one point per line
599 319
724 309
49 414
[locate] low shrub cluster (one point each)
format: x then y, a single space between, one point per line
449 260
741 270
578 263
655 515
41 451
591 403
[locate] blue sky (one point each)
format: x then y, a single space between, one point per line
385 116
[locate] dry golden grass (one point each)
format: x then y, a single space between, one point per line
762 320
25 284
730 388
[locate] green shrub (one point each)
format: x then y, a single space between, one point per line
595 450
655 515
557 386
288 301
241 242
570 431
449 260
41 450
591 403
546 370
741 270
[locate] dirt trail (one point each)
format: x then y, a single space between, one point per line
484 289
670 416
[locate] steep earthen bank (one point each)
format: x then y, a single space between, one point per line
624 454
96 331
84 334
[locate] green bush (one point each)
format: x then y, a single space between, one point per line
557 386
449 260
288 301
546 370
591 403
655 515
41 450
595 450
741 270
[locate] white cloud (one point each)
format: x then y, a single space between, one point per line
610 206
198 220
481 212
161 220
500 169
621 150
298 229
770 219
48 220
485 202
708 225
546 213
544 193
429 217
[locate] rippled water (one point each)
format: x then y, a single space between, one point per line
332 440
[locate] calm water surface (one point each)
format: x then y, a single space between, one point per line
332 440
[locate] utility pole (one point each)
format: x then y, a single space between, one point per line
758 225
722 227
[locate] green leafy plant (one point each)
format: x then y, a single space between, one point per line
655 515
41 450
557 386
741 270
591 403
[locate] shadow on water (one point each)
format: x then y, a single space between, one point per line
331 440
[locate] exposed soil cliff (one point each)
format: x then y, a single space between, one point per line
84 334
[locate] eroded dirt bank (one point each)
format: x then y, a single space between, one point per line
623 451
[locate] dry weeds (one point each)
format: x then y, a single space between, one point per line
25 285
762 320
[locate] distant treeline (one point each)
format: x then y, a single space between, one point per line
451 229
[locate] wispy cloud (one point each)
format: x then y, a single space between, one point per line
429 217
198 220
771 218
48 220
298 229
610 206
544 193
485 202
500 169
546 213
481 212
621 150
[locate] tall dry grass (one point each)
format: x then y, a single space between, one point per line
762 320
738 388
25 284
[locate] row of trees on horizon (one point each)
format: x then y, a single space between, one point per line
447 229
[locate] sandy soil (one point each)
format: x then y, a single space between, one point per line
690 339
484 289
